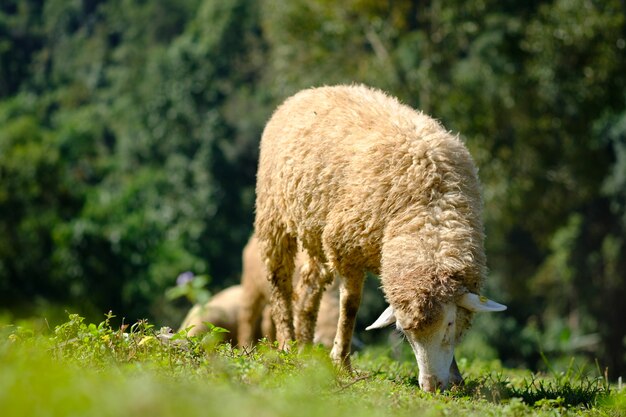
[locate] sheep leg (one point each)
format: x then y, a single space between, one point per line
249 316
311 286
280 266
268 330
281 308
350 293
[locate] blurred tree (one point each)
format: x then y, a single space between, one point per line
43 175
573 75
174 124
21 36
139 102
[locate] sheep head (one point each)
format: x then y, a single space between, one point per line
433 344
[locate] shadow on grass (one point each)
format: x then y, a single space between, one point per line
536 391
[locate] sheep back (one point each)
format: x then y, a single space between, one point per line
221 310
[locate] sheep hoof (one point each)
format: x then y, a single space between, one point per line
342 362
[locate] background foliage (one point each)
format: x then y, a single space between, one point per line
129 134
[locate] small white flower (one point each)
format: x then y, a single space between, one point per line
184 278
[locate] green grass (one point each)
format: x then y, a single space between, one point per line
81 369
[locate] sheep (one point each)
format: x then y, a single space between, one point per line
224 310
245 306
365 183
221 310
256 294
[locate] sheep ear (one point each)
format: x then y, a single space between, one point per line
388 317
478 303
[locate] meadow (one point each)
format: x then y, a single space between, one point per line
101 369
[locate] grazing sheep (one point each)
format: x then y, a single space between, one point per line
362 183
221 310
224 310
328 316
256 295
245 306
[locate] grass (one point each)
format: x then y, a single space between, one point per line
81 369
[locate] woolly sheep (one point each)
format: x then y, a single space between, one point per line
221 310
245 306
256 295
363 182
